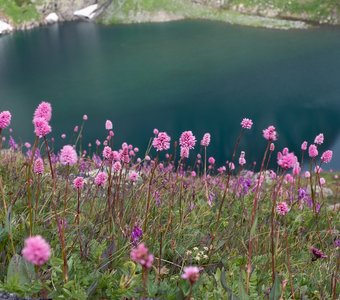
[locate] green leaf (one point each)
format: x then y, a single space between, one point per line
19 270
242 292
275 291
231 295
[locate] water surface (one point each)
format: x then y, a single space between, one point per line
187 75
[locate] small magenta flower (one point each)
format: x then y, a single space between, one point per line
100 179
304 146
193 174
78 183
107 152
326 157
282 208
187 140
313 151
205 140
317 253
155 131
270 133
41 127
246 123
191 274
319 139
108 125
161 142
133 176
286 160
38 167
211 160
68 156
5 119
136 235
117 166
141 255
44 110
242 160
36 251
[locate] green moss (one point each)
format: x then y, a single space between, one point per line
19 11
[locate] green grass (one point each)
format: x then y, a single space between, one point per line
19 11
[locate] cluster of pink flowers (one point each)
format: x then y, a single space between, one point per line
326 157
133 176
141 255
270 133
5 119
313 151
38 167
205 140
161 142
42 117
78 183
100 179
247 123
319 139
191 274
282 208
184 152
286 160
304 146
68 156
36 251
187 140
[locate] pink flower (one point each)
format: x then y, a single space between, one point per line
44 110
133 176
100 179
286 160
322 181
313 151
85 117
117 166
76 128
205 140
108 125
307 174
193 174
272 147
155 131
161 142
211 160
41 127
68 156
63 136
318 169
304 146
97 143
326 157
36 251
282 208
5 119
184 152
246 123
270 133
38 167
242 160
187 140
141 255
296 169
27 145
78 183
319 139
191 274
231 166
107 152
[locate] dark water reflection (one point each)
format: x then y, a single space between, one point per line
202 76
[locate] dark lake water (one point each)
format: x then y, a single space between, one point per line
188 75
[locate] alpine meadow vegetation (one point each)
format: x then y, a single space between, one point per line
106 221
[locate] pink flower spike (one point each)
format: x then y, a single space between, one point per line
41 127
44 110
36 251
191 274
161 142
78 183
184 152
133 176
85 117
282 208
304 146
313 151
326 157
205 140
211 160
68 156
38 167
272 147
141 255
285 159
108 125
319 139
100 179
187 140
270 133
5 119
246 123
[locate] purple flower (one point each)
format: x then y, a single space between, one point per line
136 234
317 253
